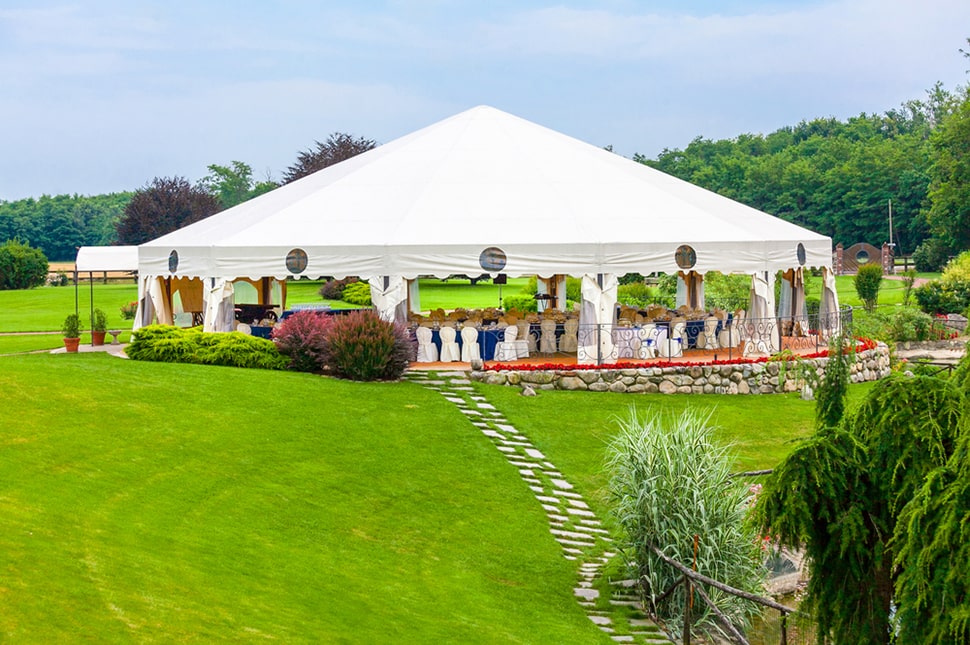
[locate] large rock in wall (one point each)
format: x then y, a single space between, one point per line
742 378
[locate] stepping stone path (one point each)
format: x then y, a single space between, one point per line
571 522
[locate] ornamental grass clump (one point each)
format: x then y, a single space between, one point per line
669 482
362 347
302 338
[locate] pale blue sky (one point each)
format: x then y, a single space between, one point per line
103 95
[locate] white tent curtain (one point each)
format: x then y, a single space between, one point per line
219 305
390 295
791 298
414 296
828 312
690 289
542 289
761 311
597 317
561 292
145 313
157 307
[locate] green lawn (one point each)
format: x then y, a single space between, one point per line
575 428
460 293
44 308
155 502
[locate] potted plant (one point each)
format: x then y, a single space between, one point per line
99 326
72 332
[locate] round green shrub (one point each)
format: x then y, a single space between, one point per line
867 282
898 324
21 267
939 297
957 270
931 255
357 293
636 294
520 301
334 289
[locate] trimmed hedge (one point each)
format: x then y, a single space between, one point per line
168 344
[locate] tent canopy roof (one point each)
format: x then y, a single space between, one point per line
432 201
107 258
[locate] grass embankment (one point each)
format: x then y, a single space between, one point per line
163 502
575 428
156 502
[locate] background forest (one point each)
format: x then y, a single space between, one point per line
833 177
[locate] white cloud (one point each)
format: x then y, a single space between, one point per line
125 91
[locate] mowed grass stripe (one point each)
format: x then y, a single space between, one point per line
154 502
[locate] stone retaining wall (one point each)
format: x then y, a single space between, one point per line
743 378
958 343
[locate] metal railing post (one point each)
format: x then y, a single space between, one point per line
599 345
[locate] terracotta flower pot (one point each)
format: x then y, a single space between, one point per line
97 337
71 344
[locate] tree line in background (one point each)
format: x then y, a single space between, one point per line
57 226
833 177
838 178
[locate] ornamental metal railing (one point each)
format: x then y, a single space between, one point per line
672 341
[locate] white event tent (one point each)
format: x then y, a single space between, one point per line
480 192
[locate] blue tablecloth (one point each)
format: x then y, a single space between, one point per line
487 340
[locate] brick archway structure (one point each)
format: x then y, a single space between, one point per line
847 261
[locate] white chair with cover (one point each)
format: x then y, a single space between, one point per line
470 350
730 335
506 350
427 351
522 344
707 339
450 351
547 339
648 335
569 341
660 335
674 346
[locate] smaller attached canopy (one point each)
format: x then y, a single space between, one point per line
107 258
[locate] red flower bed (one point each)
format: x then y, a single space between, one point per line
862 345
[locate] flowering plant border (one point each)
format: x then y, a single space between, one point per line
862 345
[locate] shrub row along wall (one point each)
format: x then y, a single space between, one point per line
743 378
